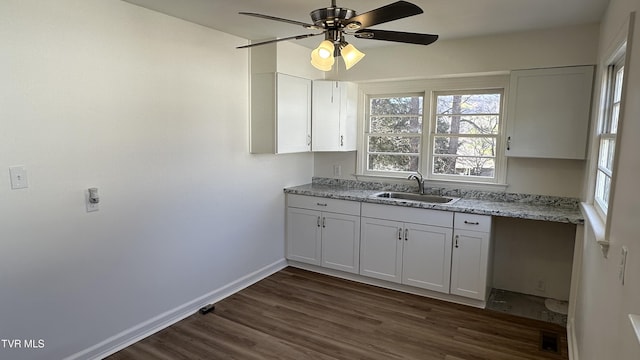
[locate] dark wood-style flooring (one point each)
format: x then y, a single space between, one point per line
296 314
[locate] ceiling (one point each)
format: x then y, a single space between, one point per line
450 19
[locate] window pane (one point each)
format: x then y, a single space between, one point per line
467 124
607 149
379 162
466 146
464 166
407 105
617 91
394 144
468 104
615 114
603 185
396 124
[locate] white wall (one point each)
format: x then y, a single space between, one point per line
482 55
602 327
153 111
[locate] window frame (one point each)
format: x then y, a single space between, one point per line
605 134
499 155
427 87
368 134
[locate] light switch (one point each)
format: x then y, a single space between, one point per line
18 177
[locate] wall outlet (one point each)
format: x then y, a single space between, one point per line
541 285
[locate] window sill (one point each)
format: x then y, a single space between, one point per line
597 225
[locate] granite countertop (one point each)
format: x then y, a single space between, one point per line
523 206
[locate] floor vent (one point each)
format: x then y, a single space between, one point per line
550 342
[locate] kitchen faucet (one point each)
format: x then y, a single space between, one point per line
418 177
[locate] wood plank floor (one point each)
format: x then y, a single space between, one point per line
296 314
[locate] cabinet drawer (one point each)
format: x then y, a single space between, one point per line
407 214
472 222
324 204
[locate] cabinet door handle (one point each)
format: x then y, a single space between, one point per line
400 234
471 222
324 220
509 143
308 139
406 234
341 140
456 245
321 204
318 221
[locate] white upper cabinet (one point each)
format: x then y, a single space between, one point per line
280 113
334 116
548 112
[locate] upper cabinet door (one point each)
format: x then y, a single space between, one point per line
548 112
293 114
334 116
326 115
280 113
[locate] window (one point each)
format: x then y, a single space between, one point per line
465 133
607 136
448 129
393 133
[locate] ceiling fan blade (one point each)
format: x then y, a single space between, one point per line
397 36
297 37
294 22
394 11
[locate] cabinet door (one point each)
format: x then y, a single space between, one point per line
348 116
341 242
381 249
469 264
304 235
427 257
548 112
293 111
326 116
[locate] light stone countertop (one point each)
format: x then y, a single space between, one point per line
533 207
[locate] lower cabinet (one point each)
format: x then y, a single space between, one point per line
411 254
470 256
323 232
435 250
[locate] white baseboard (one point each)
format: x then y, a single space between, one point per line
571 340
155 324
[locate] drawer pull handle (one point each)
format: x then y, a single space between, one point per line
471 222
321 204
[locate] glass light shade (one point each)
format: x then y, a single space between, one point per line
321 63
351 55
325 49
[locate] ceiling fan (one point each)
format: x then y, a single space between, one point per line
336 22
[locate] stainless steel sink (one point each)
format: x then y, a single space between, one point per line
402 196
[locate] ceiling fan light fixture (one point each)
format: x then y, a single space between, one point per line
320 63
325 49
350 54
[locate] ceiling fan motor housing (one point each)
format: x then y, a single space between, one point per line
332 17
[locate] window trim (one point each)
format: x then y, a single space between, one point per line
498 80
617 49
